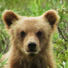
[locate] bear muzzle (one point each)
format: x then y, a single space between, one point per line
32 47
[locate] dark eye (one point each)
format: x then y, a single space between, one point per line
39 33
23 34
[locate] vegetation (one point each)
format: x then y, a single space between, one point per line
36 8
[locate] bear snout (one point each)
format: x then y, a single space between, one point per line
32 47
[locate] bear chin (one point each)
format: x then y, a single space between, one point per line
32 54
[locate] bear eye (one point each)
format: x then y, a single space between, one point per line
39 33
23 34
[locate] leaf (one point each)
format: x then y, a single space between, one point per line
0 55
66 65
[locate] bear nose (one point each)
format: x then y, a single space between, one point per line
32 47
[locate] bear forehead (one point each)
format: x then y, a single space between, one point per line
32 24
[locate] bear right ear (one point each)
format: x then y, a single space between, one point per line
8 17
52 17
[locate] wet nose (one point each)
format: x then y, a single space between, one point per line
32 47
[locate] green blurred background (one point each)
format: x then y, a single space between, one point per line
36 8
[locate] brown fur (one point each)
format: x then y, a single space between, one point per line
17 55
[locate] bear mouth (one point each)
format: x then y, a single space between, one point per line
32 54
32 50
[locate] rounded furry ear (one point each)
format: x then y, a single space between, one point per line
52 17
8 17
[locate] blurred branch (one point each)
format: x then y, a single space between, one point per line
62 34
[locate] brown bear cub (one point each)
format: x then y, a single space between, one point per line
31 42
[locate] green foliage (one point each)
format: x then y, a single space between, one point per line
36 8
3 38
61 51
65 65
2 63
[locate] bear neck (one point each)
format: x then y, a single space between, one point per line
20 60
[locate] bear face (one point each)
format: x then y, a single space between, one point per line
31 35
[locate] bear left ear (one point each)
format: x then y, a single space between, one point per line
52 17
9 17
